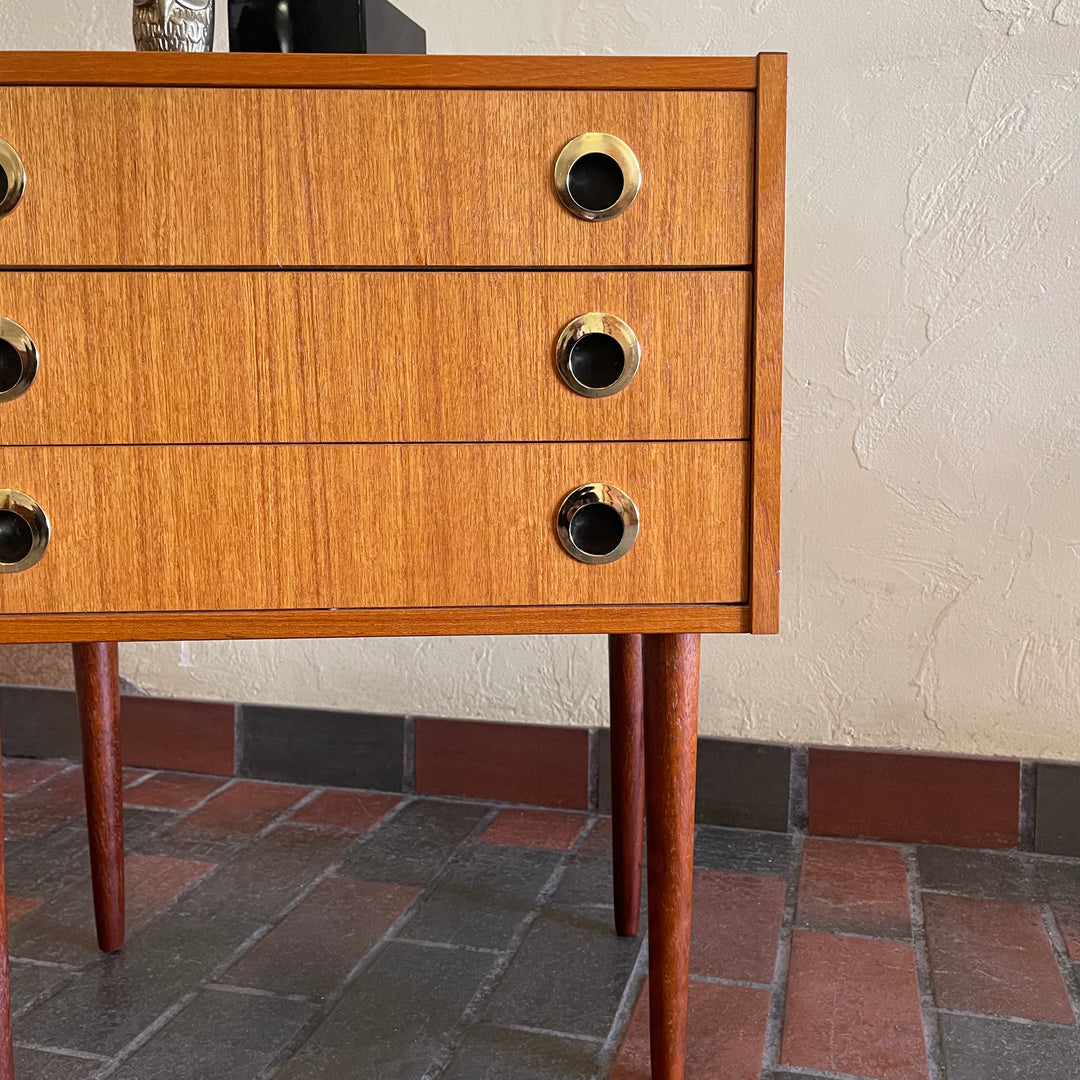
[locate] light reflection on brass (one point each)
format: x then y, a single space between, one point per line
14 178
24 531
587 500
597 322
16 344
597 142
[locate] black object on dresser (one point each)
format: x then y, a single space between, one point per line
323 26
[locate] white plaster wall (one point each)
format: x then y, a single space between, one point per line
931 535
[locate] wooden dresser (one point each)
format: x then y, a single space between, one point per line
356 346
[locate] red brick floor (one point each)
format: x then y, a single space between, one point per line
281 932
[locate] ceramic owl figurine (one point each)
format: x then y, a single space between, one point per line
173 25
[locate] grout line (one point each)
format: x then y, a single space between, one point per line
547 1031
424 944
1061 955
1027 805
254 991
237 737
593 769
621 1021
770 1057
60 1051
823 1074
227 782
47 994
798 790
408 755
1024 1020
474 1008
150 774
29 961
931 1027
718 981
288 812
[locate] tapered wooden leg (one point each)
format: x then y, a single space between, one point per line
671 666
627 778
7 1053
97 685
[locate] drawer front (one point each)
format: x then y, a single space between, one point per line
304 527
172 176
203 357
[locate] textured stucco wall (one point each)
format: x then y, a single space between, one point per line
932 511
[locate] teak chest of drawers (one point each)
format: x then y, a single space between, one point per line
314 346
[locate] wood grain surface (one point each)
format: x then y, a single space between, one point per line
627 778
377 622
206 357
768 362
187 528
326 70
672 663
97 689
189 177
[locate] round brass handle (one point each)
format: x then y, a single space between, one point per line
597 354
597 176
597 523
24 531
18 360
12 178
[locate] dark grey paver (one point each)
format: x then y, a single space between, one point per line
996 875
395 1017
743 785
28 981
1057 808
322 746
486 893
39 1065
980 1048
496 1053
40 723
569 974
219 1036
315 948
412 846
120 994
743 851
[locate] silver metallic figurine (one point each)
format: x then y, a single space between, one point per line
173 25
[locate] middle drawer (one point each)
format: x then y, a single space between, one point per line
418 356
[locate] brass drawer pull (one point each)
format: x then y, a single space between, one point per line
18 360
597 523
597 354
597 176
24 531
12 178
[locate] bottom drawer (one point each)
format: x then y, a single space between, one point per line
238 528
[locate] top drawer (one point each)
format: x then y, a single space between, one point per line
168 176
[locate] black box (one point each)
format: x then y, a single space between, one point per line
322 26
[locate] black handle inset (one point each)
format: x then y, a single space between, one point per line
16 537
595 182
596 360
18 360
11 366
597 529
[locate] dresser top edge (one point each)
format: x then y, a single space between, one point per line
333 71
